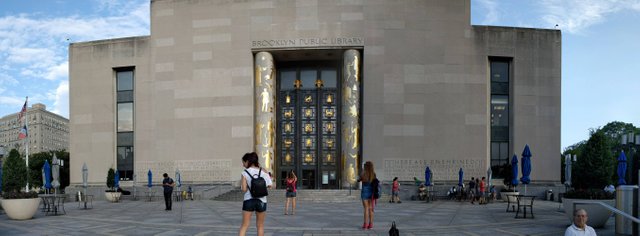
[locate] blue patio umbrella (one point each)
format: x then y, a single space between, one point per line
427 176
622 168
460 175
116 182
514 170
526 167
149 178
47 174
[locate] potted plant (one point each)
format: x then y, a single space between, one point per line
111 194
509 192
591 173
17 204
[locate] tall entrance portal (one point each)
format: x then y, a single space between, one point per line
307 116
308 127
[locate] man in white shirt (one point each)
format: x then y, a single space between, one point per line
579 226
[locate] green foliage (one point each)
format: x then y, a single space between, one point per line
111 175
14 177
594 194
14 173
595 165
36 162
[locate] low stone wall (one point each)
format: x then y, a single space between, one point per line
201 191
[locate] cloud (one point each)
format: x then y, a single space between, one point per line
12 101
575 16
61 102
492 15
59 71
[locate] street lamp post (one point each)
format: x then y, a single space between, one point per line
631 143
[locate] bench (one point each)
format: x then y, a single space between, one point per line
525 202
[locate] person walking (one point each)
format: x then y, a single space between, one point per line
167 184
251 204
579 226
366 194
482 188
395 191
291 192
472 190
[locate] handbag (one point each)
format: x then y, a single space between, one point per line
393 231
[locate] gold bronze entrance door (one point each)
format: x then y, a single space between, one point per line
308 132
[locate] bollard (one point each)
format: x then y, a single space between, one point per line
625 202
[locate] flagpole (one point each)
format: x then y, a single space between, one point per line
26 124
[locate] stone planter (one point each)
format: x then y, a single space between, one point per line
21 209
511 195
112 196
598 215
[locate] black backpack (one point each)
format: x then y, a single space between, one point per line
258 187
375 185
393 231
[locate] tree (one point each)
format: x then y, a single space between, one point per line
111 182
595 165
36 162
14 173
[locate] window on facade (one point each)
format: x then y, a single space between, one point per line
329 78
124 155
499 115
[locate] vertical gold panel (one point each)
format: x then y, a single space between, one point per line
350 116
265 118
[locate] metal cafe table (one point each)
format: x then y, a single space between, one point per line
53 203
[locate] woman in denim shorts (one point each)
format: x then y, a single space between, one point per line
291 192
366 194
250 204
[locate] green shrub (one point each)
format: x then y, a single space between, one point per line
595 166
14 177
111 182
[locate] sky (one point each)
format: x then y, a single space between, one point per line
600 50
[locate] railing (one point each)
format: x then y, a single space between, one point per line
608 207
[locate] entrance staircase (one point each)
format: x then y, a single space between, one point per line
312 195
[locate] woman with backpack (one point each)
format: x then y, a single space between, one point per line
291 192
255 182
366 194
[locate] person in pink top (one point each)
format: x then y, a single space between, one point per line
482 188
290 184
395 191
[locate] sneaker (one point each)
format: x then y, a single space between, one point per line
370 226
365 225
399 201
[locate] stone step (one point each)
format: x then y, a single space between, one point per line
302 195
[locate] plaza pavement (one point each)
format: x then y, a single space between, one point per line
206 217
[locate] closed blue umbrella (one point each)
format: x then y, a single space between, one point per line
514 170
526 167
116 182
622 168
149 178
47 174
427 176
460 175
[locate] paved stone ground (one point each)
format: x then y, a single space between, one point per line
223 218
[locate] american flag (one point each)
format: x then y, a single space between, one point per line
23 111
23 133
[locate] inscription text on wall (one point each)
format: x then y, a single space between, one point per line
307 42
